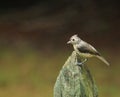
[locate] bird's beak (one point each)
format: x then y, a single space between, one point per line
68 42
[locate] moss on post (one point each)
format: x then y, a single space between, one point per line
74 81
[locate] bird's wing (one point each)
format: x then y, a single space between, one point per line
87 48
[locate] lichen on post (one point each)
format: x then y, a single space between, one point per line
74 80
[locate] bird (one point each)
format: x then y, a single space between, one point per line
85 50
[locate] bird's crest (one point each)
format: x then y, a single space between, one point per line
76 35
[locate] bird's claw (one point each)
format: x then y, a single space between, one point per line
80 63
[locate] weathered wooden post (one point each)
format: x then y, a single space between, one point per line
74 80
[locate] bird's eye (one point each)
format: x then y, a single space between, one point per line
73 39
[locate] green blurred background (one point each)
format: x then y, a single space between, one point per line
33 49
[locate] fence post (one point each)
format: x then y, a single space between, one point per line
74 80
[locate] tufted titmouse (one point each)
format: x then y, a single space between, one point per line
84 49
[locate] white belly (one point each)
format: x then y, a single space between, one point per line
85 55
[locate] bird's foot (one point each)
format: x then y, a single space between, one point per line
80 63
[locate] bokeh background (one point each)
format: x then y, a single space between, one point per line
33 49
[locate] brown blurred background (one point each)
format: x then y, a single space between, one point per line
33 36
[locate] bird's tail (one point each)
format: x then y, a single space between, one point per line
103 59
